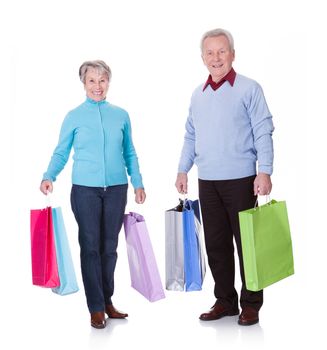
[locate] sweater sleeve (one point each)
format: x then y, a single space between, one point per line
188 151
61 153
262 128
130 156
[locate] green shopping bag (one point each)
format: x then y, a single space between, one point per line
266 245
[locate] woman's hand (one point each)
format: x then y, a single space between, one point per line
140 195
46 186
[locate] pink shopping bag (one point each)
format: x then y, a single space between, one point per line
43 251
144 272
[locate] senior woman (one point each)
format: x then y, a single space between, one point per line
100 134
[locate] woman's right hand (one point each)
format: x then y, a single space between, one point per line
46 186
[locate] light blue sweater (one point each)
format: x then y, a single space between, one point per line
100 134
228 131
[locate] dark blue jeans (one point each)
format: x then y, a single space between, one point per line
99 214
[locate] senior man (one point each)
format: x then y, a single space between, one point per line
229 137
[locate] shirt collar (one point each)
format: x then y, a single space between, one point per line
230 77
92 102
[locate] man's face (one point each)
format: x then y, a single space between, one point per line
217 56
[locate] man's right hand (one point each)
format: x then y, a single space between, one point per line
46 186
181 183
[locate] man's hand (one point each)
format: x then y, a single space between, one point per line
262 184
181 183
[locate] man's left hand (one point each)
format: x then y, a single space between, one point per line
262 184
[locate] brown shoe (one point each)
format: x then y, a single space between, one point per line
112 312
248 316
98 320
218 311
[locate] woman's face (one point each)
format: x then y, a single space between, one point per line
96 84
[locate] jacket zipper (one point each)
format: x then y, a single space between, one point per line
104 148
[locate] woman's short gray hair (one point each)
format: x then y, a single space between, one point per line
101 66
218 32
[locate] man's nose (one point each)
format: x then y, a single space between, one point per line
217 56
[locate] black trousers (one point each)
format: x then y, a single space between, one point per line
221 201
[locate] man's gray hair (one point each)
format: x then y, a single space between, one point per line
101 66
217 32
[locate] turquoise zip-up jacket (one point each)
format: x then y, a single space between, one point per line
100 134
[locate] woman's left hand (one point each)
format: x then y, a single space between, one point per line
140 195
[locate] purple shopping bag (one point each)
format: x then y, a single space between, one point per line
145 277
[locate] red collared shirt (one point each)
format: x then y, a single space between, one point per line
230 77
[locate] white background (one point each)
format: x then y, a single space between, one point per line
152 48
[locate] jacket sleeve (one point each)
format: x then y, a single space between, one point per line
130 156
262 128
188 151
61 153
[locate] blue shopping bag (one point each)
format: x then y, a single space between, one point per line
68 282
193 261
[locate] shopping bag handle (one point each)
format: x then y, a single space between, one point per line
184 199
256 204
135 216
48 199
